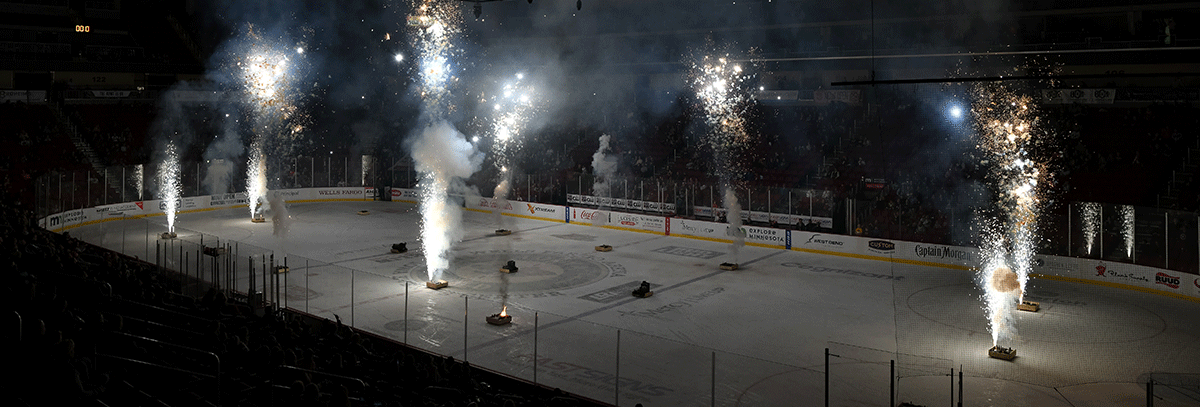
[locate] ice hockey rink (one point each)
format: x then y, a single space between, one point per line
755 336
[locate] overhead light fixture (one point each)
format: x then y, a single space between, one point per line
579 4
478 10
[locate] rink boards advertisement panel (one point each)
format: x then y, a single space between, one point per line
1108 273
1114 274
521 209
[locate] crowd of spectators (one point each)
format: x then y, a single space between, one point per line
88 326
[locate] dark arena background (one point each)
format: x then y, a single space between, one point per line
600 202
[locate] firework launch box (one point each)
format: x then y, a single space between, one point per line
364 212
604 248
511 267
503 232
1031 306
643 291
168 235
399 247
729 266
999 352
437 285
497 319
258 219
281 269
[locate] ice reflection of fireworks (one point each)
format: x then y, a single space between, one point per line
1006 124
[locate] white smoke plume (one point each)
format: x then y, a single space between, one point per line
444 157
281 219
220 155
733 214
604 167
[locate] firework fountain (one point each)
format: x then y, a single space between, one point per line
1006 124
440 152
722 87
1127 228
139 179
168 185
1092 218
266 75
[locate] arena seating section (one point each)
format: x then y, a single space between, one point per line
87 326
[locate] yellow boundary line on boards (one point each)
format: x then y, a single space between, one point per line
930 264
516 215
711 239
149 215
1117 285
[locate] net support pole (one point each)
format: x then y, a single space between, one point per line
713 386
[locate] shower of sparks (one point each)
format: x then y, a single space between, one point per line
168 184
256 179
512 107
266 79
1007 133
139 179
434 28
269 72
1127 228
1090 215
723 89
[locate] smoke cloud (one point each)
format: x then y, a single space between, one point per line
445 158
733 212
280 218
604 168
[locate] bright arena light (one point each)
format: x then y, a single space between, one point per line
399 57
956 112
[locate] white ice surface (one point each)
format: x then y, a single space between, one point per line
766 326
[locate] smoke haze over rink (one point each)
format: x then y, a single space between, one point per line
767 323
